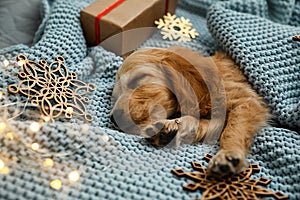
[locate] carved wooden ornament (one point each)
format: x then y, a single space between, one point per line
175 28
239 186
54 89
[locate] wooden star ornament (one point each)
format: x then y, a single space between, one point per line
240 186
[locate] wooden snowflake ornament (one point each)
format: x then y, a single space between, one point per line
52 88
173 28
239 186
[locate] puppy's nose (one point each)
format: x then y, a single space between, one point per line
116 116
224 168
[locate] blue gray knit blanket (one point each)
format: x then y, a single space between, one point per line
114 165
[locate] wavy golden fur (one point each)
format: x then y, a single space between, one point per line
175 95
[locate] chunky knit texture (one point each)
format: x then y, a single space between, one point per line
264 50
256 34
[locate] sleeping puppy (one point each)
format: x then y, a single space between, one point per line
173 96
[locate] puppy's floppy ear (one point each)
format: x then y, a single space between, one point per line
183 90
187 73
204 71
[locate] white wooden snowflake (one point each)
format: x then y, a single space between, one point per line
173 28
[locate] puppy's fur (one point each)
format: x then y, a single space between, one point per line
176 95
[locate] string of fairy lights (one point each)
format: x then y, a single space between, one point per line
8 132
10 111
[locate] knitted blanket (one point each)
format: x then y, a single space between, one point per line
114 165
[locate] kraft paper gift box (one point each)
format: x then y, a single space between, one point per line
122 25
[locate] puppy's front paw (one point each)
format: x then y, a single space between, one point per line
172 132
227 163
162 132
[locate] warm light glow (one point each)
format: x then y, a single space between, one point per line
5 170
10 135
2 165
85 128
69 110
21 63
74 176
1 95
104 137
35 146
2 126
56 184
35 127
48 162
6 63
46 118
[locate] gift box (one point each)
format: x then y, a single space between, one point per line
122 25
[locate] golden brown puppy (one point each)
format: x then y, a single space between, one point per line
175 95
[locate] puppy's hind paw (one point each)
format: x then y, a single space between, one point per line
226 163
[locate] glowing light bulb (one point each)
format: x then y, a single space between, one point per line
6 63
69 110
46 118
3 168
74 176
10 135
21 63
104 137
35 146
35 127
85 128
48 162
3 126
2 164
56 184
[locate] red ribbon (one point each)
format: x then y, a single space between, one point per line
107 10
167 7
100 15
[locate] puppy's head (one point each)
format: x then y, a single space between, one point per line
141 94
